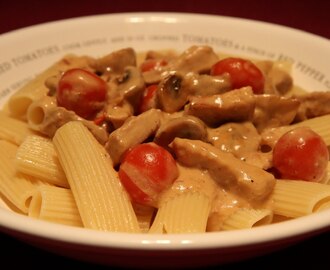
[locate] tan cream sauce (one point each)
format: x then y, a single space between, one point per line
223 204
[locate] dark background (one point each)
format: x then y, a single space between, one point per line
311 16
308 15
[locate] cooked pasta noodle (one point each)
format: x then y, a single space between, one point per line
37 157
13 130
17 188
245 218
102 202
55 204
184 213
294 198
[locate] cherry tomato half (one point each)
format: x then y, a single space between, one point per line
242 73
147 169
82 92
148 99
301 154
150 64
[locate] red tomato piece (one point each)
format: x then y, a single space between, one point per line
242 73
301 154
150 64
82 92
148 98
147 169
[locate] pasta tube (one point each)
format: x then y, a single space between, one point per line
184 213
55 204
13 130
296 198
36 156
17 188
247 218
102 202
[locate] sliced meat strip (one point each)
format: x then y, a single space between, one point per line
231 173
134 131
274 111
233 106
312 105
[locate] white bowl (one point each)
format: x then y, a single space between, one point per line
28 51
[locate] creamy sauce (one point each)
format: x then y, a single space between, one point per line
224 203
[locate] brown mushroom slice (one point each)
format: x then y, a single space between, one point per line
134 131
233 106
188 127
229 172
116 61
175 89
171 95
274 111
155 75
198 59
131 85
118 112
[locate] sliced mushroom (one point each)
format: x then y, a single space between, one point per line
155 75
174 90
135 130
233 106
188 127
116 61
117 112
198 59
171 94
131 84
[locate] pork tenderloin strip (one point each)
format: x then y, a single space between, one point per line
134 131
233 106
231 173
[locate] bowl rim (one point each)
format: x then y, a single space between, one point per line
310 224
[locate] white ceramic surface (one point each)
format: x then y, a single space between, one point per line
27 51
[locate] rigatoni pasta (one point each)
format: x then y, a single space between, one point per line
184 213
13 130
245 218
294 198
16 187
37 157
102 202
55 204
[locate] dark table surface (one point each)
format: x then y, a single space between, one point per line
311 16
